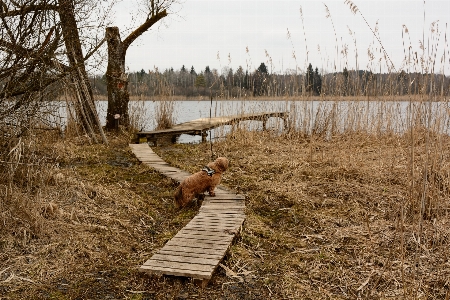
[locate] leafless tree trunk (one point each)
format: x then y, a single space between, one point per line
84 105
116 77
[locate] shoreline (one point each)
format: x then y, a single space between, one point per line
413 98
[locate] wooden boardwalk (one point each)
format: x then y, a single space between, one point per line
201 126
197 249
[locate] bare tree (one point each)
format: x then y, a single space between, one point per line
85 105
39 47
25 59
116 77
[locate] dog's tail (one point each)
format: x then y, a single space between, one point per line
178 197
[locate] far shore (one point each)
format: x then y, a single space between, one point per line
415 98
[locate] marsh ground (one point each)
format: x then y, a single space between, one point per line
326 219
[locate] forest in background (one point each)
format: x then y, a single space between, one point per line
241 83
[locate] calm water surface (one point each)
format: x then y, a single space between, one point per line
383 115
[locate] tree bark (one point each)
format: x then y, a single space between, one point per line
117 81
116 78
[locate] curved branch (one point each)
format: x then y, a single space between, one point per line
143 28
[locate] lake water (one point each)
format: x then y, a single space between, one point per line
304 115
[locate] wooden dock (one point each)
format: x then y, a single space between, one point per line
197 249
201 126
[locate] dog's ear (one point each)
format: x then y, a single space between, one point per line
222 163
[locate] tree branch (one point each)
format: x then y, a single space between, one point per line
36 86
27 9
19 50
95 49
143 28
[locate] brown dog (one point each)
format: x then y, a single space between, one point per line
206 180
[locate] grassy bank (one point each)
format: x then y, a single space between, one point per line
335 219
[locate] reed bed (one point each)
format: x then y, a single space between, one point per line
335 219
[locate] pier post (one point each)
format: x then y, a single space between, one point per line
204 135
265 122
285 122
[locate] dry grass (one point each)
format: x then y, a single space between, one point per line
164 114
326 219
85 231
325 222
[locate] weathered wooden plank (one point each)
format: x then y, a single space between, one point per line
186 252
176 271
218 222
194 251
198 243
163 167
206 238
230 230
204 231
184 259
226 212
185 266
203 227
224 202
150 159
225 229
225 237
225 216
214 220
223 211
209 199
224 196
226 206
219 219
144 153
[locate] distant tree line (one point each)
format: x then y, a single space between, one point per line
240 83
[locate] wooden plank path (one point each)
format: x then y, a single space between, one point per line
197 249
202 125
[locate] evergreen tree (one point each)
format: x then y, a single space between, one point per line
309 78
263 69
209 77
245 83
141 75
193 71
230 81
200 81
345 87
317 82
183 69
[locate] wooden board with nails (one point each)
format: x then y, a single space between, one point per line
197 249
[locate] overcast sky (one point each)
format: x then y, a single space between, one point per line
217 33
